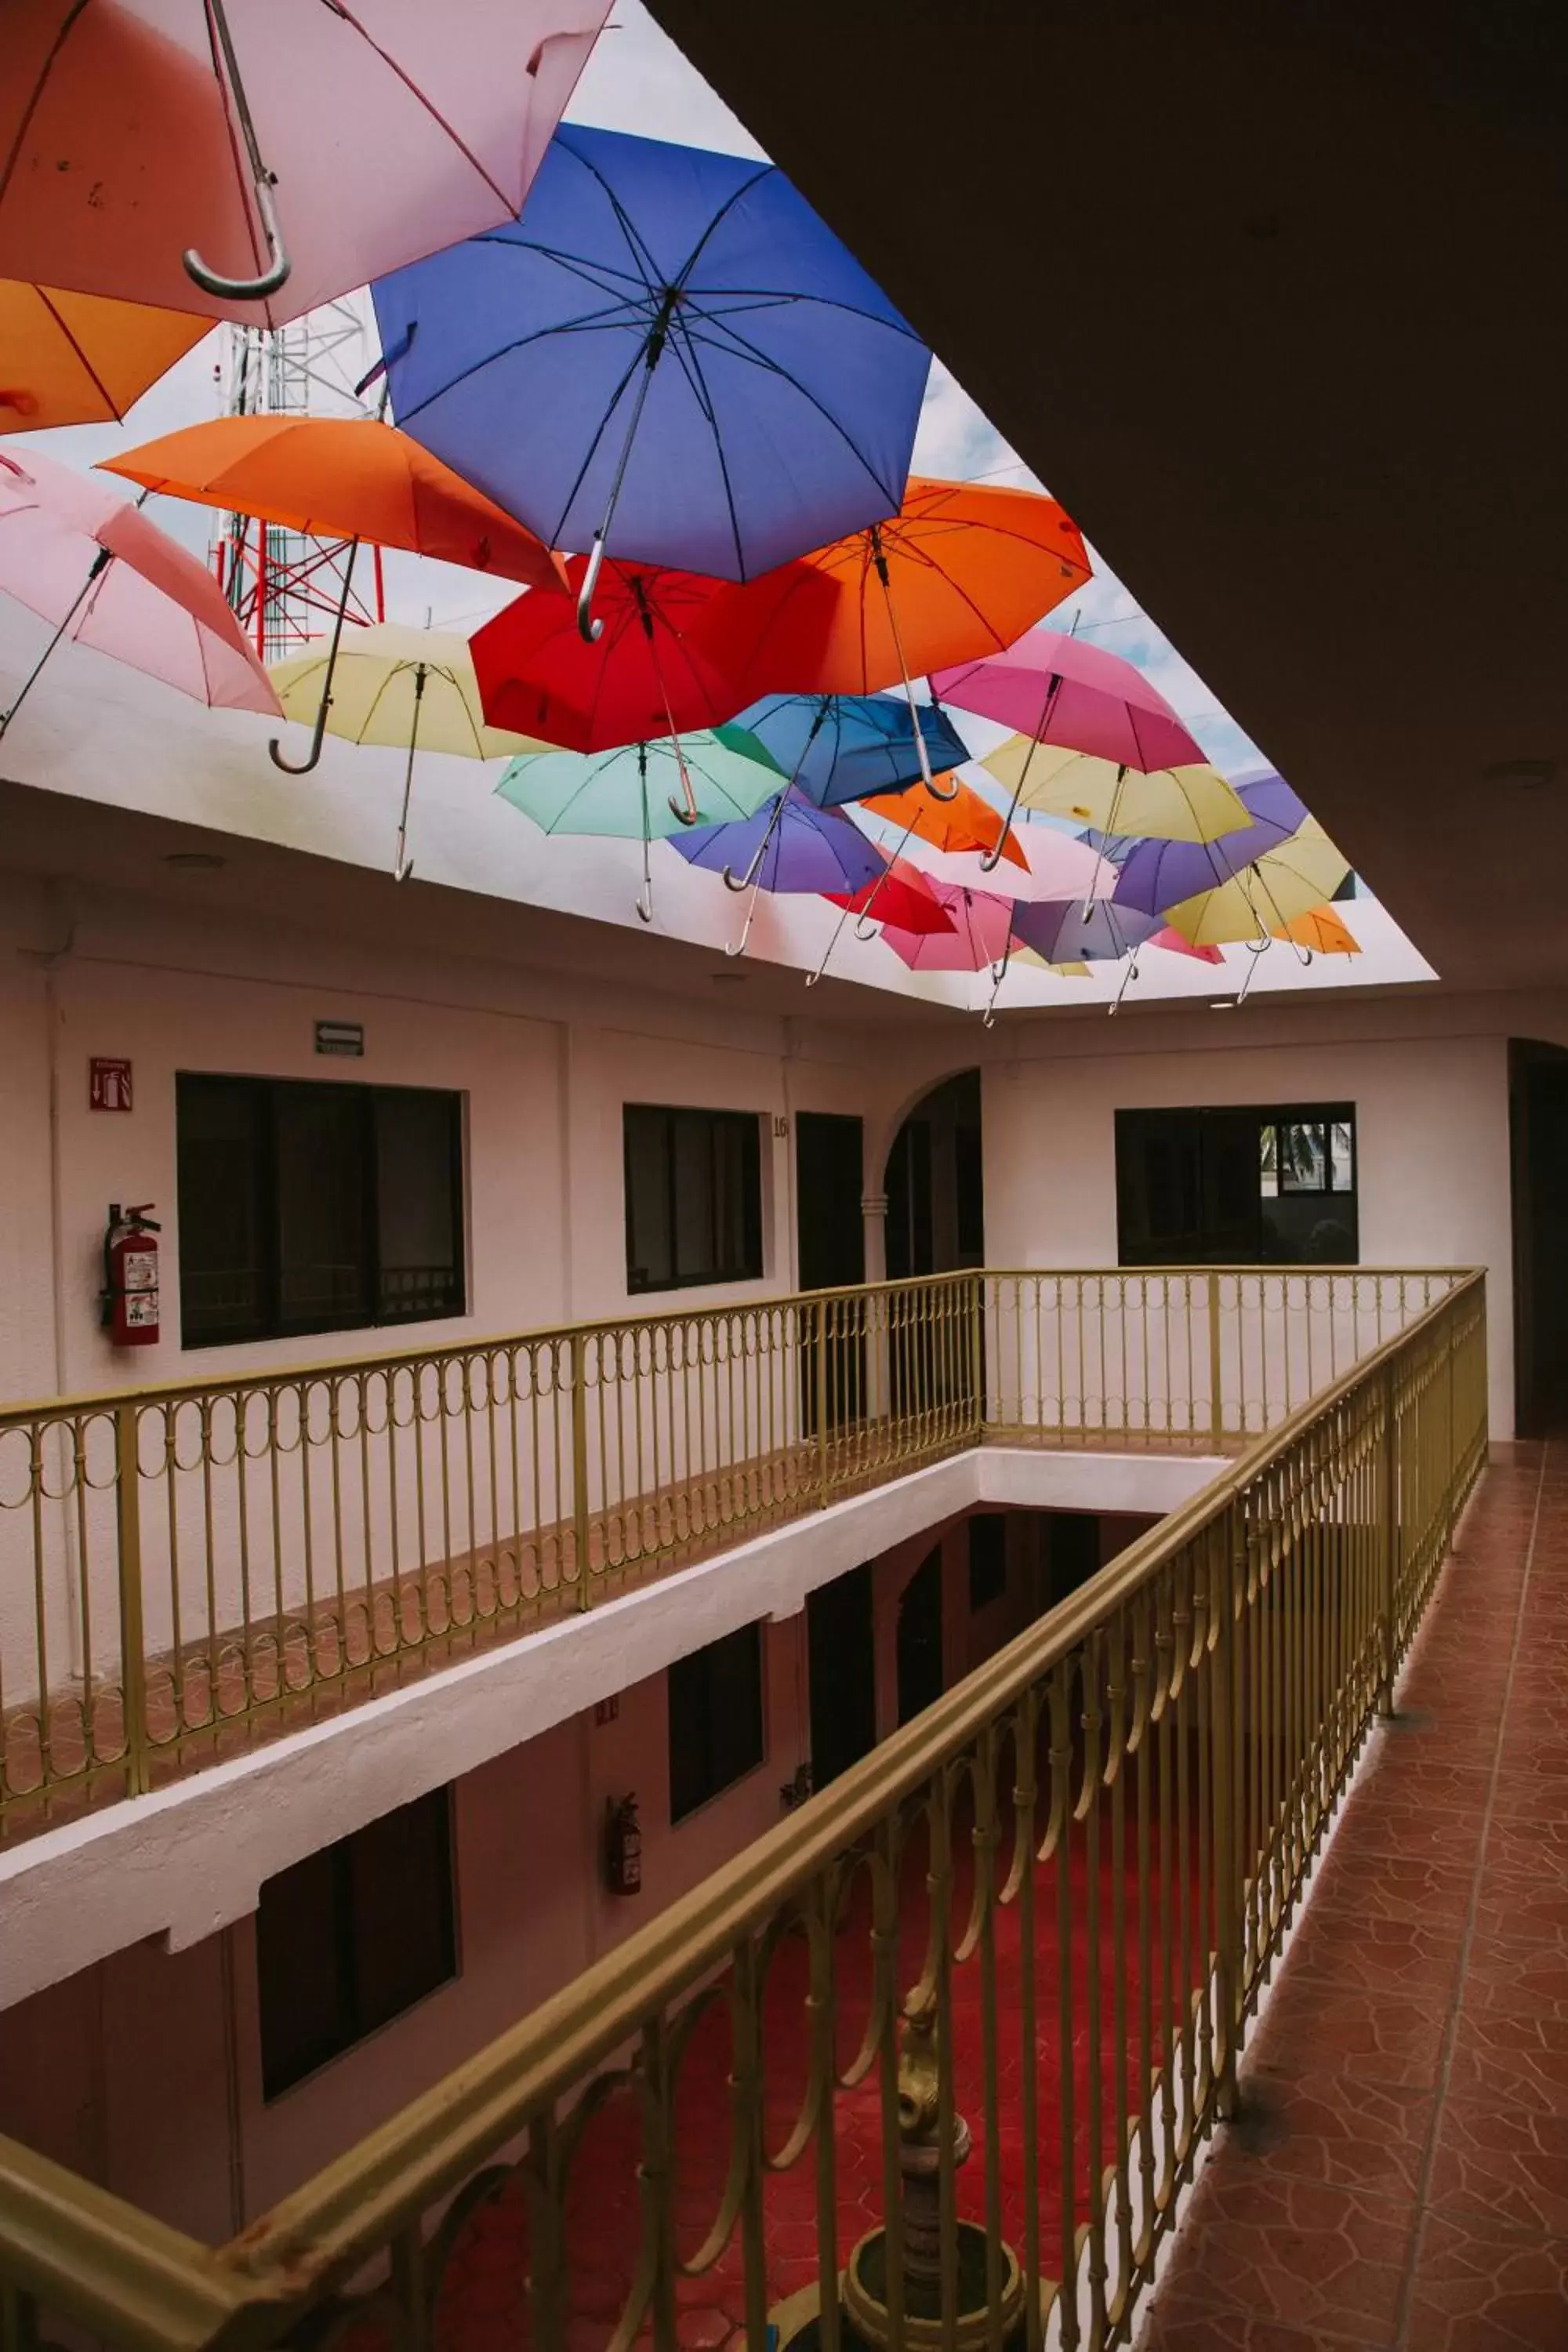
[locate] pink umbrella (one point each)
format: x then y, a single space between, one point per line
982 933
1176 944
1057 866
1055 689
78 555
215 156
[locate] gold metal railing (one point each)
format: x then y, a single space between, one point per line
184 1570
1071 1876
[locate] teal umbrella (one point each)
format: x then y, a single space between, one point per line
629 793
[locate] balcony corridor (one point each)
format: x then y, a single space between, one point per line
1398 2177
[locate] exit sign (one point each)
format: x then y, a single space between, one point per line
341 1037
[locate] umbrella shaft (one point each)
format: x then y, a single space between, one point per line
100 563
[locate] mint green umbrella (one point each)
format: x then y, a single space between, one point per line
628 794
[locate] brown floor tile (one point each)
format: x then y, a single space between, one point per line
1509 2164
1419 1768
1520 2062
1416 1833
1418 1961
1335 2129
1394 1887
1514 1905
1477 2289
1528 1848
1183 2321
1293 2253
1509 1976
1313 2027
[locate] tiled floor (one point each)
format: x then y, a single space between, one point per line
1398 2177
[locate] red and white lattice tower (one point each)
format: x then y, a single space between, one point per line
284 587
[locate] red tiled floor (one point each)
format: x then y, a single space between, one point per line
1398 2177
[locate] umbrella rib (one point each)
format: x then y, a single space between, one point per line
641 251
68 26
772 367
590 321
690 365
89 369
768 298
341 9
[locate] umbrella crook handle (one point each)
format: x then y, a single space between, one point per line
1128 977
276 274
998 974
402 863
644 899
312 759
748 879
738 947
922 752
991 859
864 921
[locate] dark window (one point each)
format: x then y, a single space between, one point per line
352 1936
694 1197
315 1208
987 1558
715 1718
1237 1187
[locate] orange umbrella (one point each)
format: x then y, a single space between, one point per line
81 359
966 820
351 478
1322 932
960 571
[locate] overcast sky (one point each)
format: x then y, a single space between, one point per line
637 81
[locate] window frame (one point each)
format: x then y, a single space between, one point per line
745 1124
267 1095
1185 1125
700 1661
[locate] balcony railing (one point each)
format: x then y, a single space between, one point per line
1049 1906
186 1570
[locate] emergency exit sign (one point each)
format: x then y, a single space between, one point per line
341 1037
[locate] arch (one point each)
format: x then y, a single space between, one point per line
933 1199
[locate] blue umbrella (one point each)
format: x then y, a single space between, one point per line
848 747
1160 874
789 845
669 354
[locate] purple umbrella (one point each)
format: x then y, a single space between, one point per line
1160 874
789 845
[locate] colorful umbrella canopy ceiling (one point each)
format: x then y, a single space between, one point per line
1055 689
981 934
966 820
78 359
667 353
839 748
1190 803
663 663
808 849
1054 866
1294 878
1322 932
902 895
340 477
87 562
1060 931
1159 874
294 149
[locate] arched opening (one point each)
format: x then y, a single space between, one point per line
920 1639
935 1183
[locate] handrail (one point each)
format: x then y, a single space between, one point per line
1358 1487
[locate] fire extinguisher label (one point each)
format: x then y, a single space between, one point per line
139 1271
141 1311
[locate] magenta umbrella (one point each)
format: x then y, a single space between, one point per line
1055 689
982 933
78 555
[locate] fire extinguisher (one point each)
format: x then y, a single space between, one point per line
130 1297
623 1848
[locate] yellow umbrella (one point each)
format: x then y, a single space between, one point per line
81 359
1188 803
398 687
1295 878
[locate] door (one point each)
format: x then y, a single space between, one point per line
1072 1552
842 1664
920 1639
830 1239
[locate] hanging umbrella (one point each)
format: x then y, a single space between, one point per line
1053 865
1055 689
1063 931
152 147
76 359
1192 803
804 849
83 559
654 670
1320 932
407 689
961 571
850 747
904 896
1160 874
981 934
1175 944
624 793
1295 878
966 820
667 355
348 477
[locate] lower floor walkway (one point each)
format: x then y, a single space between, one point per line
1397 2176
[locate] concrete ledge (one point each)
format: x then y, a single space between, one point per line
190 1859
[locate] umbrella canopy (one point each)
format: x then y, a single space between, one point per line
807 849
1192 803
1320 932
1175 944
303 147
1053 865
1296 877
374 693
1053 689
623 792
340 477
966 820
85 560
668 354
967 569
839 748
902 897
76 359
1060 932
1160 874
981 934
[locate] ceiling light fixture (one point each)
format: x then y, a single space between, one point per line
195 861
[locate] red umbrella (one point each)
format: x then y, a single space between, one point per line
904 898
665 660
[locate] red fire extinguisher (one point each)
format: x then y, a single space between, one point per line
623 1848
131 1276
